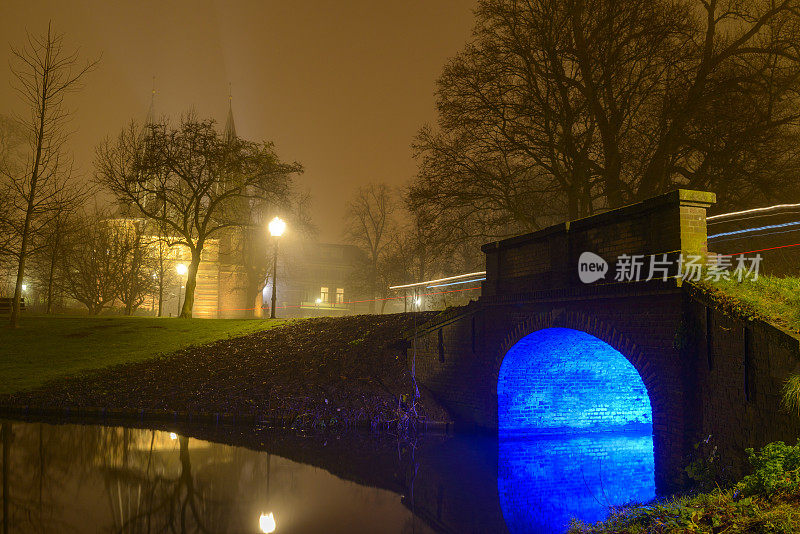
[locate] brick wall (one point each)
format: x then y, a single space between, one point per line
672 223
740 366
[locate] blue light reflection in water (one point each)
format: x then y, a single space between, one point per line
575 432
544 482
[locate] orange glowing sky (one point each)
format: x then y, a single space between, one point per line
340 86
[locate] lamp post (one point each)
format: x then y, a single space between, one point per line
276 228
182 270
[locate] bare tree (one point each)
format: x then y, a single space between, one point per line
137 261
53 240
560 108
12 141
93 263
192 182
164 274
370 226
44 74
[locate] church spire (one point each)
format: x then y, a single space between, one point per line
151 113
230 127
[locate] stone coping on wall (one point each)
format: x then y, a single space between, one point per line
678 197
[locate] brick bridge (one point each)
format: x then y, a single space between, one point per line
706 371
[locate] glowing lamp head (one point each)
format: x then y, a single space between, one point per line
319 301
24 287
173 436
182 269
418 301
276 227
267 523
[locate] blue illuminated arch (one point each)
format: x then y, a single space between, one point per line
575 429
560 380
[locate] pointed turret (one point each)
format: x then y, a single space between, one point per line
151 112
230 127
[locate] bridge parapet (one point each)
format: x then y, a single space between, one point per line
671 223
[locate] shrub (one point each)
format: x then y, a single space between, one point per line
776 470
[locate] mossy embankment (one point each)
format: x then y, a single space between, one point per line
775 299
316 372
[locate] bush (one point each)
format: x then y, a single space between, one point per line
776 470
765 502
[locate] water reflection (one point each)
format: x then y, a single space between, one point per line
543 483
66 478
69 478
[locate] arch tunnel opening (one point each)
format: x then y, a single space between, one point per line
575 431
560 380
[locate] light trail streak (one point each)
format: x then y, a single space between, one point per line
454 283
754 210
755 229
446 279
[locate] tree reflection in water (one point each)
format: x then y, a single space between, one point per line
68 478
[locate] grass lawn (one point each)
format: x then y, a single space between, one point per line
775 299
46 347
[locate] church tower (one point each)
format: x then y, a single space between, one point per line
234 294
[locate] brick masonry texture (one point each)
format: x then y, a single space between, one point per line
706 373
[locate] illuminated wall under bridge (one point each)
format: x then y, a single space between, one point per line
559 380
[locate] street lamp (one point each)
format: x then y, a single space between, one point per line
276 228
267 523
182 270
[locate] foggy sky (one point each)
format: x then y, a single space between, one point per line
340 86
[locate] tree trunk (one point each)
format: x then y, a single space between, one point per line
26 229
191 283
160 277
50 276
258 310
373 283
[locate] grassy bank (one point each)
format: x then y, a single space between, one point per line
47 347
767 500
706 513
775 299
321 372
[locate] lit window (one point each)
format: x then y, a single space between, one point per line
339 295
323 294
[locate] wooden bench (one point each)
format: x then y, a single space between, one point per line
5 304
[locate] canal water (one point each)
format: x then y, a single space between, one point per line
91 478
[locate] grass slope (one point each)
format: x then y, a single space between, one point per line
324 371
47 347
775 299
